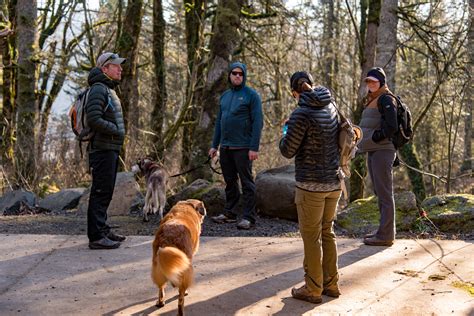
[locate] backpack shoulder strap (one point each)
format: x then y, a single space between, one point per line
379 100
108 93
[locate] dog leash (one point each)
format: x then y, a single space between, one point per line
207 162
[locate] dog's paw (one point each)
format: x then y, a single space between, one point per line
159 304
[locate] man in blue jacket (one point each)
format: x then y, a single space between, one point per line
238 129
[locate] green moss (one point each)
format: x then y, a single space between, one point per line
360 214
466 286
455 214
199 193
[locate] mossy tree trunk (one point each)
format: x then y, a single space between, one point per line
27 41
194 18
7 111
468 96
367 60
410 157
159 94
127 47
223 43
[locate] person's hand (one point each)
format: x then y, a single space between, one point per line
253 155
378 136
212 152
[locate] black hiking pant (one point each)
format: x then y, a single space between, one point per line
103 166
235 164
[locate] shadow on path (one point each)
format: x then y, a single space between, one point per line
229 303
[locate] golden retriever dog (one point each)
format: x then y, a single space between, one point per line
155 178
176 242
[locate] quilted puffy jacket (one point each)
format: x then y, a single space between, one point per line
104 113
312 137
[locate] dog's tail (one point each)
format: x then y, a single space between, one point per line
172 263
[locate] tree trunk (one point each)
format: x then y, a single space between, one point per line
7 113
329 48
468 96
386 56
410 157
224 40
127 47
194 19
26 99
159 94
359 168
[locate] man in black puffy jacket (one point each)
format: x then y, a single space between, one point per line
312 136
105 118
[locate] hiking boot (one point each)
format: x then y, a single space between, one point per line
104 243
244 224
332 293
374 241
305 295
222 218
115 237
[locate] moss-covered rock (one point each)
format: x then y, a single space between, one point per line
212 195
452 213
362 216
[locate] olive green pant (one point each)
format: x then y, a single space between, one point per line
316 214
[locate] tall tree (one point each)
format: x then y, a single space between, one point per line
127 47
224 41
386 56
329 49
469 95
159 94
27 41
7 113
367 61
194 18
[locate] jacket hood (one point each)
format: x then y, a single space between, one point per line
96 75
244 70
318 97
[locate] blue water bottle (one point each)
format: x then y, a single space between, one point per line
285 129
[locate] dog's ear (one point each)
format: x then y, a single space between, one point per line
198 206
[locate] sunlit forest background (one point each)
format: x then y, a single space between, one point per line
178 53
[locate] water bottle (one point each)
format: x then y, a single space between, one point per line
285 129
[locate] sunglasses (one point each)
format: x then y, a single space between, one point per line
237 73
111 57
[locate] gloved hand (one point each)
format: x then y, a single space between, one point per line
378 136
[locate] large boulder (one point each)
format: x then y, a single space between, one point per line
452 213
362 216
63 200
11 202
276 192
125 195
212 195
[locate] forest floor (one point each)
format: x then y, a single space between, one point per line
72 222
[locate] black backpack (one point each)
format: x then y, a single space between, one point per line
405 129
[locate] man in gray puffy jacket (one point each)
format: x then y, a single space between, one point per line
105 118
